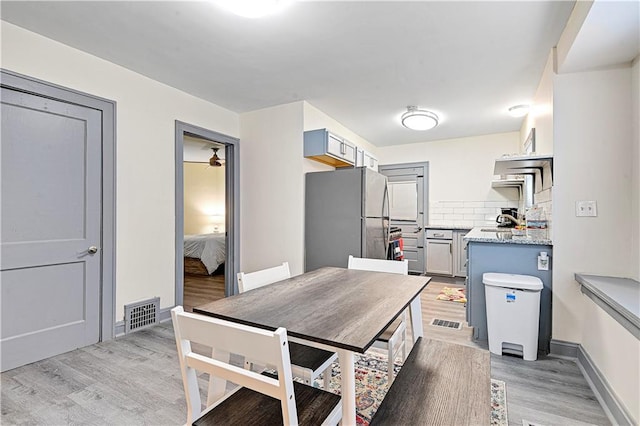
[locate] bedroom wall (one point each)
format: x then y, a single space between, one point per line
204 203
146 113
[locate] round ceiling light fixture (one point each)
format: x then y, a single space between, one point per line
253 8
419 119
519 110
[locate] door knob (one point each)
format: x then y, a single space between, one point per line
92 250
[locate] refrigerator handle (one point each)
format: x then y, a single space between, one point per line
385 216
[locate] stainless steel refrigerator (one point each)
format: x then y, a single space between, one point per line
346 212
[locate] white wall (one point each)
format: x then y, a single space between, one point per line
615 352
272 188
540 118
459 169
635 157
591 154
316 119
593 140
146 112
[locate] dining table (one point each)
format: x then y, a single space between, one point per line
336 309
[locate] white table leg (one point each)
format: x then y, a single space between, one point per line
415 311
348 391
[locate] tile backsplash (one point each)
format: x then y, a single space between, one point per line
467 213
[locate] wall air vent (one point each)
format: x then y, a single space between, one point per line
141 315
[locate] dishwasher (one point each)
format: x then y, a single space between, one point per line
439 247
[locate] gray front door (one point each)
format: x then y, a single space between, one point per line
408 202
51 183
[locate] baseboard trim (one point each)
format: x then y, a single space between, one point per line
119 328
563 349
163 315
612 407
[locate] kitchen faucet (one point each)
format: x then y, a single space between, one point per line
513 219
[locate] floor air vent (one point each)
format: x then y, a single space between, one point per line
141 314
447 324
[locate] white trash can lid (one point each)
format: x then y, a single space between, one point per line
523 282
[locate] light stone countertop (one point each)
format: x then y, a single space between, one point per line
503 237
452 227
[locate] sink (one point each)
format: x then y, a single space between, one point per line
495 229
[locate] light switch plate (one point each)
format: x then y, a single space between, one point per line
586 208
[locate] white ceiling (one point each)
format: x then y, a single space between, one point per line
360 62
609 35
199 150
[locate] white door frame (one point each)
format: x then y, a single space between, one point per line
23 83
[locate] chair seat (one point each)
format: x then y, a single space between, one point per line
253 408
307 356
386 335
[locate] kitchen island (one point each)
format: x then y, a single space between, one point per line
500 251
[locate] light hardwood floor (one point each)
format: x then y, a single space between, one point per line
549 391
135 380
200 289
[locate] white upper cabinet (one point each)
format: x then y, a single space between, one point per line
366 159
329 148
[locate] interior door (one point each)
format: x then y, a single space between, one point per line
51 216
407 207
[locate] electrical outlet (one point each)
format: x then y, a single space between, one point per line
543 261
586 208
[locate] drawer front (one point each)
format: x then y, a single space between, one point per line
443 234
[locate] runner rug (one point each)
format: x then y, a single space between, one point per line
371 387
452 295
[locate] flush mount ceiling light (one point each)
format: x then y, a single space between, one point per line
419 119
253 8
519 110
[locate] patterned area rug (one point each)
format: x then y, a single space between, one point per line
498 403
452 295
371 387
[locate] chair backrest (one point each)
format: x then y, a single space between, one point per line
269 347
257 279
379 265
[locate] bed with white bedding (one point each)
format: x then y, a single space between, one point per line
210 249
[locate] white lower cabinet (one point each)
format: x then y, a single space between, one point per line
446 252
440 257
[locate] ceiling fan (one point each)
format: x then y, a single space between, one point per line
215 161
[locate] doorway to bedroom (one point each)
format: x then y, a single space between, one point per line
206 255
204 221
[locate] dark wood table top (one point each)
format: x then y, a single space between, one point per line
339 307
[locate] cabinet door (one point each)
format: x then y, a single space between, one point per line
370 161
440 257
460 255
341 148
334 145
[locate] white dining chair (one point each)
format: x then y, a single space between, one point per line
252 402
307 362
393 339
